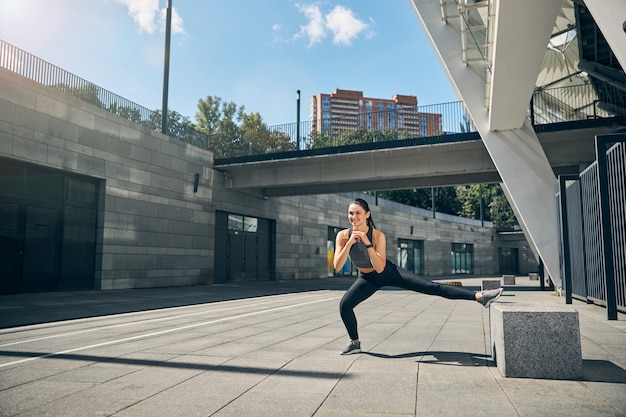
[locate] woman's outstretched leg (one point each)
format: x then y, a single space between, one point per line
410 281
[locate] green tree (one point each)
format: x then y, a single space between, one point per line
461 201
469 199
233 132
350 136
466 125
220 121
129 113
260 138
87 92
501 213
445 198
496 207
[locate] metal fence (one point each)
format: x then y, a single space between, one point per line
38 70
593 224
378 126
446 122
575 103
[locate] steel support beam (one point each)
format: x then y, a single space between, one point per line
516 152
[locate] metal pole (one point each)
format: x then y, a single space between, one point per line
432 201
603 142
564 222
480 195
298 121
166 66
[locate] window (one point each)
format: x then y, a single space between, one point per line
423 125
410 255
462 258
242 223
330 253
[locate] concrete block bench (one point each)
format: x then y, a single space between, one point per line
536 340
490 284
508 279
533 276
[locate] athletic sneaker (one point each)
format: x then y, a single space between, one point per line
351 348
489 296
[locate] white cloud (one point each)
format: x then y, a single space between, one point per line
149 18
344 25
143 12
177 21
341 22
315 30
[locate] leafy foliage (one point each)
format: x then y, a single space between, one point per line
353 136
464 201
233 132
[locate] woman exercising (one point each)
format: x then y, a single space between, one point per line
366 247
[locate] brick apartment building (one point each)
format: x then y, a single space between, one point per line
349 109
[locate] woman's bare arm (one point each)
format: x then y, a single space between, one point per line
342 249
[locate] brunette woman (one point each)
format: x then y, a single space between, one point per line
366 247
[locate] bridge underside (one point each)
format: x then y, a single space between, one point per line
426 166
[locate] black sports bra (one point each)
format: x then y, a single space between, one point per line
358 252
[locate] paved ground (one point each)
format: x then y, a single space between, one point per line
271 349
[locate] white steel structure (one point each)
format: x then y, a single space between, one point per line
495 52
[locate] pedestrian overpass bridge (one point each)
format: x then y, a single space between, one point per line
458 159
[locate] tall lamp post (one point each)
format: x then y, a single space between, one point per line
166 66
298 121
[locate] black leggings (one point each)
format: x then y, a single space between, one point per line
367 284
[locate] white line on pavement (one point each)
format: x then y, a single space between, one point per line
169 317
127 339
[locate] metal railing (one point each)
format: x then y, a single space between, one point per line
429 124
439 120
576 103
446 122
593 222
38 70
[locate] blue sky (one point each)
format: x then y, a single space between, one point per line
254 53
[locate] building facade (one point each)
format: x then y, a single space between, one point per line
344 110
89 200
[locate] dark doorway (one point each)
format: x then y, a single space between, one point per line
508 259
244 248
47 229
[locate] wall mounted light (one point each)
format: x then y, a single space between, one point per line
196 181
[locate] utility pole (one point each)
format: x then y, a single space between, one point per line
166 66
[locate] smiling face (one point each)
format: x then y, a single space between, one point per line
357 216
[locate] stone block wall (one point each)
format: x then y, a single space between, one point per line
155 231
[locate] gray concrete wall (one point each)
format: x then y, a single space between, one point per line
155 231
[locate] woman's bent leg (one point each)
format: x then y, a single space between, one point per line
359 291
410 281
